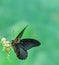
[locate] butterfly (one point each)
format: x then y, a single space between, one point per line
21 46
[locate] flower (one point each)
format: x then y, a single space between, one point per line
3 39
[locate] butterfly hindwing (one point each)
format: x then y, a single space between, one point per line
20 52
23 54
29 43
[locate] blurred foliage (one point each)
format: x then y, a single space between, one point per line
42 18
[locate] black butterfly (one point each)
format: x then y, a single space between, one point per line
21 46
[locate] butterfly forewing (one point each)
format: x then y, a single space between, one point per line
29 43
17 39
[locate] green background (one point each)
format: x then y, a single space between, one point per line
42 18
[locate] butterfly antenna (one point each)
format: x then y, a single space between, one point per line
21 33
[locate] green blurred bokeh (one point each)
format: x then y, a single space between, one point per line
42 18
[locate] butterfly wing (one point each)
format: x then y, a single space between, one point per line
22 47
17 39
28 43
20 52
23 54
